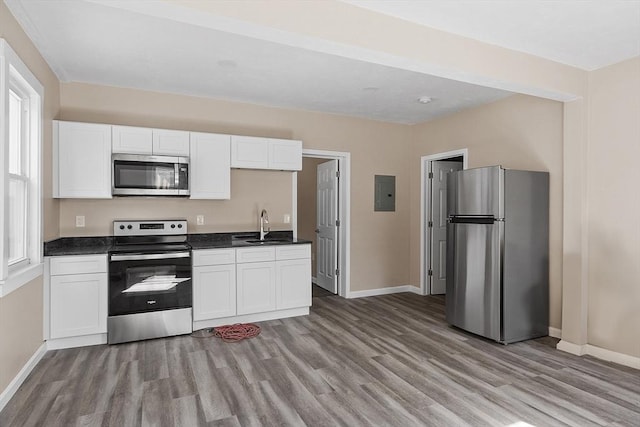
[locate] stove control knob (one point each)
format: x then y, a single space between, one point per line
173 226
179 225
122 227
129 226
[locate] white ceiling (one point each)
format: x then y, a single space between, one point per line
587 34
130 44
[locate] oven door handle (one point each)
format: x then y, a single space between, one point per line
144 257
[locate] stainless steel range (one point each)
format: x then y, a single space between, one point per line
150 290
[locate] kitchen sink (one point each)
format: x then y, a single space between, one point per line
262 242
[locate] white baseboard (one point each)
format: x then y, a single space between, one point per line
569 347
600 353
384 291
82 341
555 332
314 280
15 384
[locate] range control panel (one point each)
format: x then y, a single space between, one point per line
150 228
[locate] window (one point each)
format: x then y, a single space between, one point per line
20 184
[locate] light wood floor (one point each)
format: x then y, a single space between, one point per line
387 360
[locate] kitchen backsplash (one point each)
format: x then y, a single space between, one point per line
251 191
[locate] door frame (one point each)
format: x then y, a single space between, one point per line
344 212
425 206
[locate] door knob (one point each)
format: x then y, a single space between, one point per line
317 230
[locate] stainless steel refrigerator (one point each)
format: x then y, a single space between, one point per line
498 253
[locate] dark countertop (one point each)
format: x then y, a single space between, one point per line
102 245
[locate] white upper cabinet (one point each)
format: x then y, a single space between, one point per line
82 160
251 152
170 142
285 154
210 166
157 142
131 140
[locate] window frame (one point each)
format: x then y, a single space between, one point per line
16 77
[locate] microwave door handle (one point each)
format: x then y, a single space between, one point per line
176 175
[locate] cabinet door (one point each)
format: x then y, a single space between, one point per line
249 152
214 291
210 166
131 140
293 283
285 154
202 257
78 305
170 142
256 287
82 163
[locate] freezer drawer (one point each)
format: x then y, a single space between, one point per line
474 277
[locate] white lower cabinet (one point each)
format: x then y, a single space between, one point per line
252 280
293 283
214 291
256 287
78 302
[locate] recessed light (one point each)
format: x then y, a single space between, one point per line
425 99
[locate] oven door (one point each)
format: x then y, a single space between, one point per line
138 175
140 283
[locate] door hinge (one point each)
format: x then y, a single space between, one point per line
337 223
430 272
430 224
337 174
337 272
430 175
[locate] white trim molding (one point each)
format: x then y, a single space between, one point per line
425 193
344 206
384 291
599 353
22 375
19 278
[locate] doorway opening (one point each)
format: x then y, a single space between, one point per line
433 215
321 206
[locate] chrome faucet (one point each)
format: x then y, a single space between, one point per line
264 219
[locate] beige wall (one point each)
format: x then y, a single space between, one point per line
20 329
21 310
519 132
307 202
379 248
251 191
614 208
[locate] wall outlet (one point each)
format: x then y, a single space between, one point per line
200 219
79 220
287 218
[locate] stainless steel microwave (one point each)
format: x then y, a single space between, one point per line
143 175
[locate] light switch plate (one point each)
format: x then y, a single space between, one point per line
79 220
200 219
287 218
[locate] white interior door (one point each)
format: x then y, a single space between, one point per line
327 228
438 223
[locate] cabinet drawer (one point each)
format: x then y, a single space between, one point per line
214 257
255 254
80 264
293 252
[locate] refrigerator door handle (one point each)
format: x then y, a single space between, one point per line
471 219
